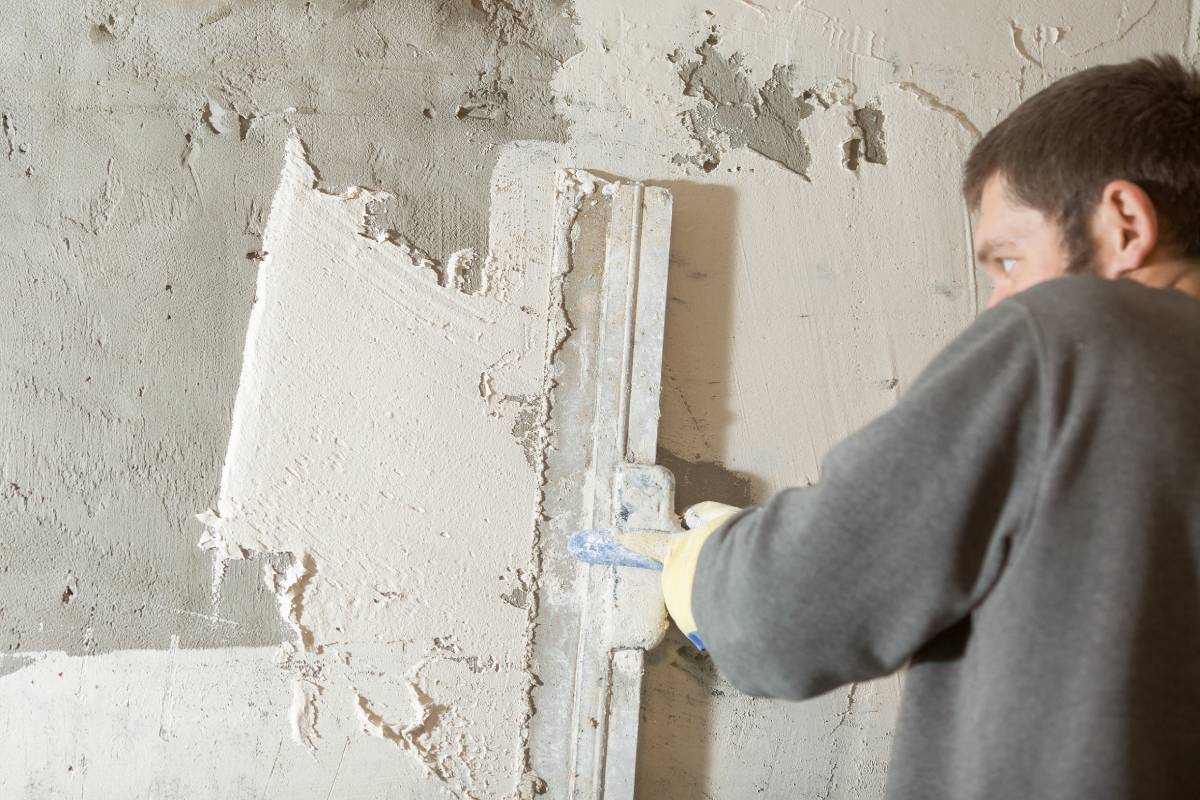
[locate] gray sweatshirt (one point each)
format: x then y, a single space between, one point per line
1023 528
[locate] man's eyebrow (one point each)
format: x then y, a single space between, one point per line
986 248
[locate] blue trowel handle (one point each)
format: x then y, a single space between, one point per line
597 546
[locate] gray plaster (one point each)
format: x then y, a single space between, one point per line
764 119
870 121
733 113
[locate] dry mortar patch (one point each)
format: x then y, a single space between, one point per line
732 113
869 121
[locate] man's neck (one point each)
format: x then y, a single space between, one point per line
1175 274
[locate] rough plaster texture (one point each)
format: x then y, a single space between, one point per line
139 148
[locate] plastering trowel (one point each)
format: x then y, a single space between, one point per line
610 272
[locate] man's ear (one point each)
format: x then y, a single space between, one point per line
1125 228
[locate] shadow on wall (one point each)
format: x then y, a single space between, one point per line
698 348
680 684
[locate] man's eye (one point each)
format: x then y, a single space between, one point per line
1007 265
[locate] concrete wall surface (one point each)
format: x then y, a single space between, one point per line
820 255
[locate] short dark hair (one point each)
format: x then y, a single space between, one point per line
1138 121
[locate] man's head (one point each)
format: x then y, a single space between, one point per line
1099 172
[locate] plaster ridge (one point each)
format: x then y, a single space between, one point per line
935 103
408 737
1191 45
1019 44
10 133
572 189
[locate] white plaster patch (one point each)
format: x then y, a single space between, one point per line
388 497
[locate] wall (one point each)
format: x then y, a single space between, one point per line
819 257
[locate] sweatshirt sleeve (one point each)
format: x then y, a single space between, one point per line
906 532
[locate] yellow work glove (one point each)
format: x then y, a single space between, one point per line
679 562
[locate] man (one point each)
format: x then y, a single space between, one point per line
1023 527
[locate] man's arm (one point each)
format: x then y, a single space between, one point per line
907 531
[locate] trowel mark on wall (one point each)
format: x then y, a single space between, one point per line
732 113
70 589
94 215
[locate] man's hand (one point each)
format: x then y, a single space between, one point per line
679 563
678 553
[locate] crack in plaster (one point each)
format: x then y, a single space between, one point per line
1122 30
845 713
